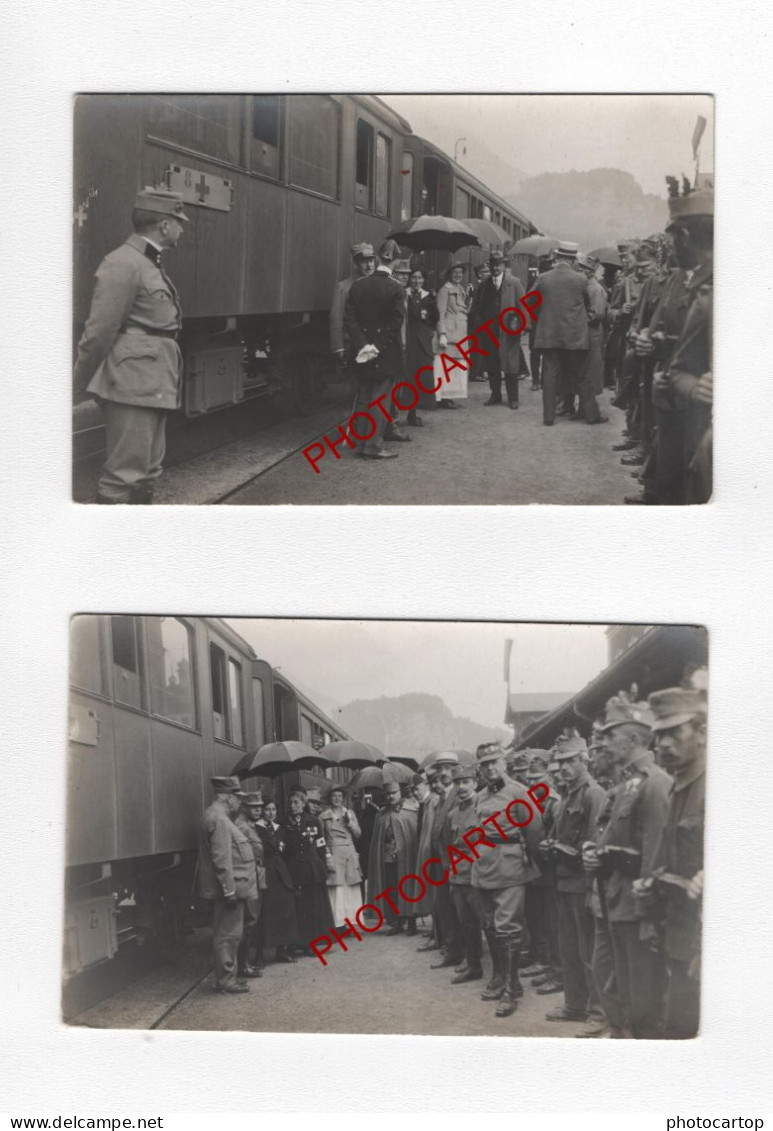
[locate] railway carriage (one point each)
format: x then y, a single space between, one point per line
158 705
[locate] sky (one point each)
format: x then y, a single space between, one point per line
647 135
336 661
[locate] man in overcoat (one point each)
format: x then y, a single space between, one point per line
501 873
500 291
393 855
563 335
128 356
226 875
250 809
374 315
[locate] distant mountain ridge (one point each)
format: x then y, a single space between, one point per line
595 208
414 724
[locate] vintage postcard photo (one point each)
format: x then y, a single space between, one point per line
415 827
273 293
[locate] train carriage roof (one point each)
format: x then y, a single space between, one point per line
382 110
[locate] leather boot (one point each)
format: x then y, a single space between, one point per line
472 972
508 1002
496 983
141 496
511 385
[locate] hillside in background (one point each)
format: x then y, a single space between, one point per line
595 208
413 724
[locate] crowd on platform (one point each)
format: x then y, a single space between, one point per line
637 320
598 898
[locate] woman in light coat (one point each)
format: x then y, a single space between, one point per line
453 309
341 830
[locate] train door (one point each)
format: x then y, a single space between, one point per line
262 702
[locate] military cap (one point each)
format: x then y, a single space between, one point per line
488 752
389 251
226 785
313 794
497 256
569 746
539 760
674 706
517 758
162 201
464 772
255 798
401 266
445 757
589 262
693 202
567 249
362 251
620 710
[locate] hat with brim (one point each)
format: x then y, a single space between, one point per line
697 203
162 201
464 773
488 752
363 251
621 711
452 267
497 256
252 799
226 785
674 706
567 250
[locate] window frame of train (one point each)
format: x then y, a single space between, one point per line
87 656
406 186
126 661
228 724
155 709
374 194
218 139
296 106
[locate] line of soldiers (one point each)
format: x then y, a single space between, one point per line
600 897
659 352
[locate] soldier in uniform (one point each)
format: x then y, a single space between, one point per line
578 814
444 910
593 374
460 820
680 743
501 874
541 898
363 263
128 356
250 809
517 765
627 849
226 875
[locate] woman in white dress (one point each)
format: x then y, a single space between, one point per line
453 307
341 831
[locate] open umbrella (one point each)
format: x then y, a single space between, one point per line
609 256
489 234
278 757
534 245
353 754
380 776
406 760
434 233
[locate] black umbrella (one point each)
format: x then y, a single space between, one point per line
278 757
434 233
354 754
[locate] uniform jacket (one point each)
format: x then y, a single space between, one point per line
340 295
439 836
692 354
576 821
404 821
461 819
634 817
427 809
246 826
374 313
682 853
116 360
513 861
489 302
304 850
562 319
226 862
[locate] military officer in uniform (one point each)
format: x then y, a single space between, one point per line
576 821
226 875
444 909
501 873
364 263
128 356
460 820
250 809
680 743
627 849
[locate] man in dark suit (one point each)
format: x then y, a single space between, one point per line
374 315
498 292
563 335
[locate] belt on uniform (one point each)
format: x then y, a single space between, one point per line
150 330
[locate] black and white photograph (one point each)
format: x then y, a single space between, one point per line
274 292
385 827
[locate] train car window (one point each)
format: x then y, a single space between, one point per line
126 668
406 202
171 670
498 218
307 730
462 204
363 165
86 654
486 212
266 134
506 224
314 142
235 712
219 697
383 173
258 712
205 123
